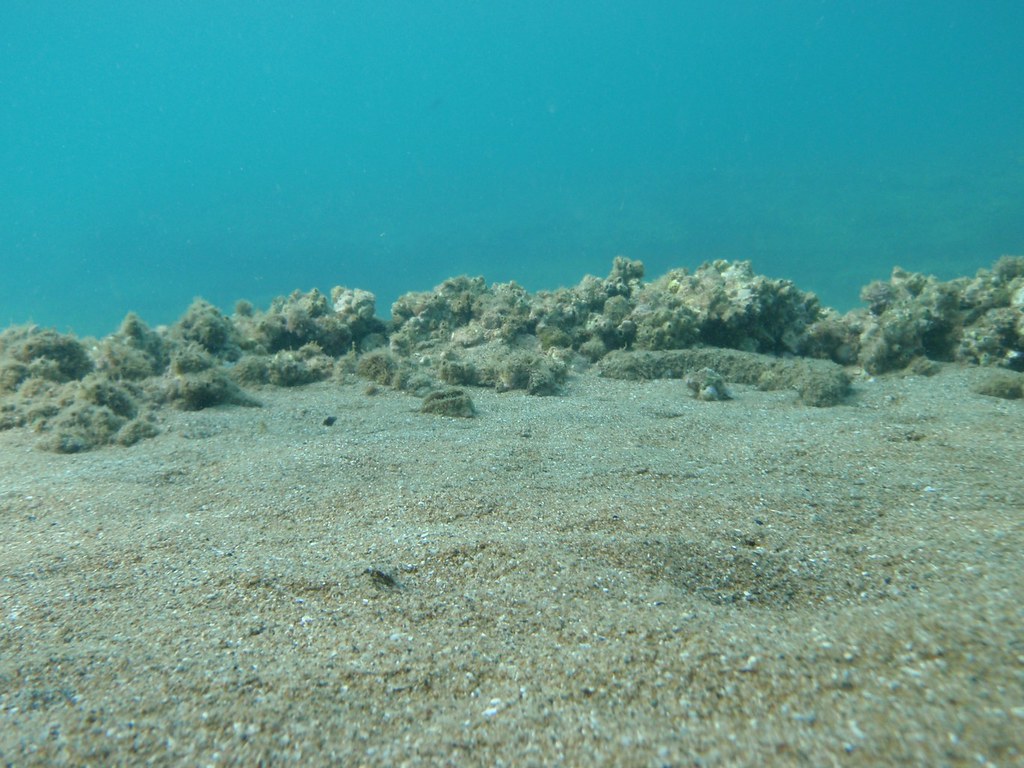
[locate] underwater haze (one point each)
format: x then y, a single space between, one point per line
152 152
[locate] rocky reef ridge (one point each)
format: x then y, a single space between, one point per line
81 393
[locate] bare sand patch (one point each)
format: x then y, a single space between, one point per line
619 574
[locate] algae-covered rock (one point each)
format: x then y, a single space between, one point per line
381 366
736 308
532 371
504 367
31 352
733 365
79 427
625 277
721 304
378 366
136 430
449 402
357 309
592 317
291 322
504 312
639 365
122 399
191 357
922 366
134 352
206 389
12 374
721 317
707 385
993 339
1000 286
336 325
978 320
817 382
300 319
458 369
550 338
424 319
662 320
303 366
831 337
82 415
462 310
208 327
415 381
49 383
910 316
252 370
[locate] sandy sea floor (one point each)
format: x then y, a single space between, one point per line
618 575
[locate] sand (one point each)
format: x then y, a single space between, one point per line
617 575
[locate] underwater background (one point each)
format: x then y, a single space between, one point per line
152 152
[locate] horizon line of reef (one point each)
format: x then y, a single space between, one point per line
719 323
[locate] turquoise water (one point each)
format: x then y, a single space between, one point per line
152 152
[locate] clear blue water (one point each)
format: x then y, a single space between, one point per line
152 152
